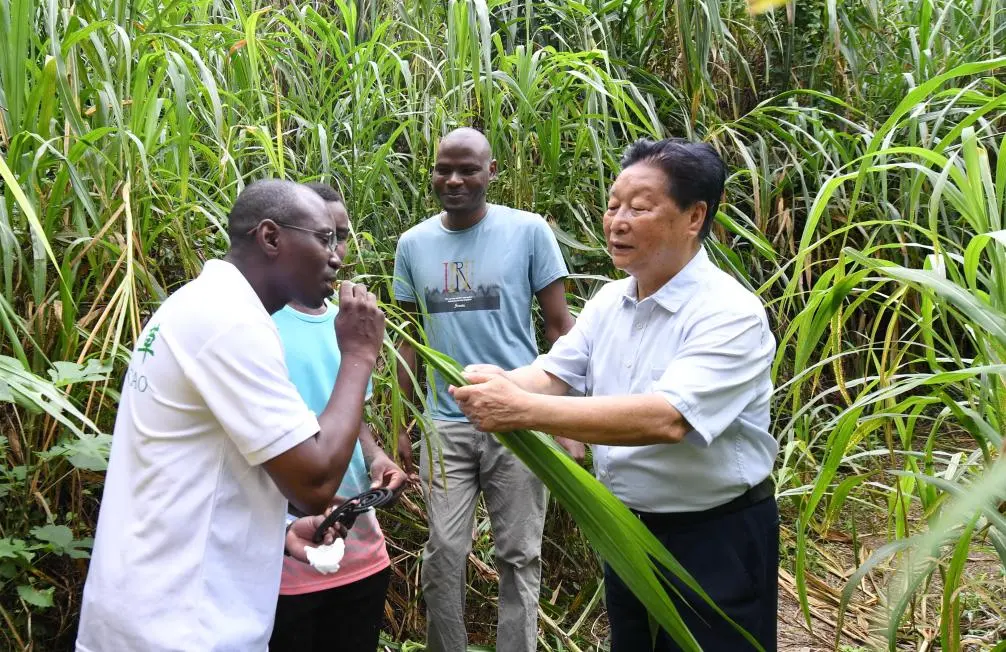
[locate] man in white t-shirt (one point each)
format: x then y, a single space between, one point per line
211 440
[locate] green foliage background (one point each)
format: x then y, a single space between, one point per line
865 206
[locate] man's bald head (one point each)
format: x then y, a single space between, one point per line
468 138
461 175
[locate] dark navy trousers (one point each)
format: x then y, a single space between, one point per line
734 557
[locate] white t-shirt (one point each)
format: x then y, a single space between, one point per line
189 543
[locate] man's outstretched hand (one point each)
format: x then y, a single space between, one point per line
385 474
301 534
359 327
492 402
404 440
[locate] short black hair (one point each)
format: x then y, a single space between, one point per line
326 192
695 172
267 199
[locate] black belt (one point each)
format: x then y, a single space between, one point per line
756 494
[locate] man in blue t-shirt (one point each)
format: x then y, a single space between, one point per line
309 600
470 273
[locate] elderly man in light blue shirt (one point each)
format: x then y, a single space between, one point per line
673 365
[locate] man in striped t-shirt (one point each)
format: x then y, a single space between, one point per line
310 600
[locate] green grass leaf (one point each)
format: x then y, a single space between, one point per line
41 598
58 536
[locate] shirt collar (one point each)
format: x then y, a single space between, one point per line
674 293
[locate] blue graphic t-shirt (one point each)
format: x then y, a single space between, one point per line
474 288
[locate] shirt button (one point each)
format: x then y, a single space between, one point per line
639 327
628 365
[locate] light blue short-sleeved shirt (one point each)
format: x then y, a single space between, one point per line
474 288
313 359
703 342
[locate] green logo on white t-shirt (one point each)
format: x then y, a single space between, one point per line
148 342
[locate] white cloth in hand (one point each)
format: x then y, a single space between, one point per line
325 559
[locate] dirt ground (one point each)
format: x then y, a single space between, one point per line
983 628
793 633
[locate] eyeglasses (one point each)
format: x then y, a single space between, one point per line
331 238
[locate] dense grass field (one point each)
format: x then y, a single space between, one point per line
865 206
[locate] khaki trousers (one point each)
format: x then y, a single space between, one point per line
516 499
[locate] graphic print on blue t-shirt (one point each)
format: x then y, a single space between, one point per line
474 288
462 290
